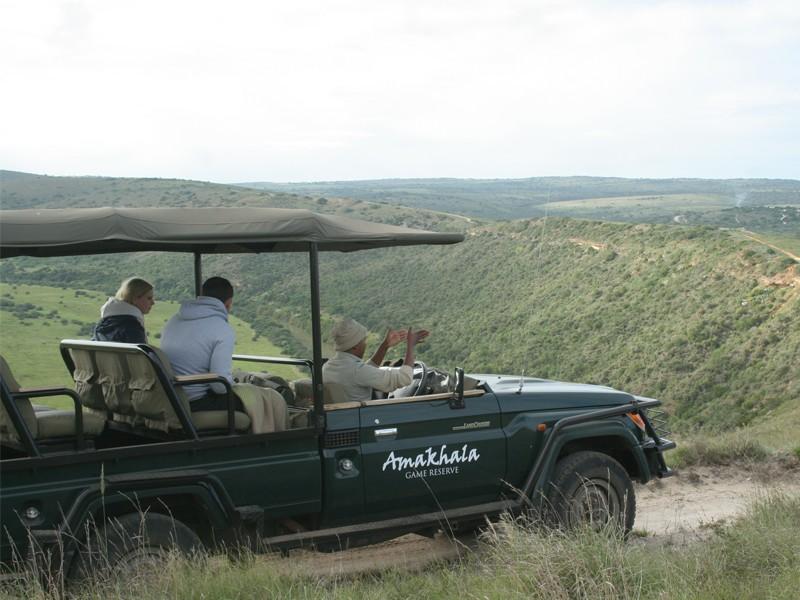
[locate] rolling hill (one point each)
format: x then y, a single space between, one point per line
704 318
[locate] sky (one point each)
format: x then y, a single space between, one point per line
313 90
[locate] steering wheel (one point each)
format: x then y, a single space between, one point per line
418 364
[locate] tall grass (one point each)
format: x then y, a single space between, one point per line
757 556
719 449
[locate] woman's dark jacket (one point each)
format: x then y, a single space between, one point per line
119 328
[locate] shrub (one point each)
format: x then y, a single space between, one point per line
718 449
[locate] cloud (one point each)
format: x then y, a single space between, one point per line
357 89
72 27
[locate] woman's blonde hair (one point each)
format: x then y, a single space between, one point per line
133 288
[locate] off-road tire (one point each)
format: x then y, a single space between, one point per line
132 543
590 488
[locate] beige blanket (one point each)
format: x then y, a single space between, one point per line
265 407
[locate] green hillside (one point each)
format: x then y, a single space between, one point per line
706 319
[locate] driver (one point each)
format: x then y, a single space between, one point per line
359 378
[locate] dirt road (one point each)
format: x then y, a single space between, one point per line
752 236
704 495
673 510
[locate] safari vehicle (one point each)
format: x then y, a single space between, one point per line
131 457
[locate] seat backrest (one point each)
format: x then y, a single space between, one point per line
127 377
9 385
113 377
149 399
303 392
332 393
85 376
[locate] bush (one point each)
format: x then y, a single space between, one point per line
756 556
718 449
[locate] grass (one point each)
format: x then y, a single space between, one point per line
29 339
786 242
755 556
661 203
723 449
779 429
774 437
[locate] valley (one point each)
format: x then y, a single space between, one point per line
705 318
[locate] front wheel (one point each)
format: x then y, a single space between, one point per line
132 543
590 488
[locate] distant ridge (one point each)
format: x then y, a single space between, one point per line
519 198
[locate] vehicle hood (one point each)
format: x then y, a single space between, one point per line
545 394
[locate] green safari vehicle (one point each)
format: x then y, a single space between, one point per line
131 458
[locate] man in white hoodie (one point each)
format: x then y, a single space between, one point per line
198 339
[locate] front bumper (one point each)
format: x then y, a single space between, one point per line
654 451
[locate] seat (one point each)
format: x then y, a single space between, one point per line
150 399
332 393
85 376
43 425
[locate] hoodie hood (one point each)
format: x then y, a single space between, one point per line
117 308
204 307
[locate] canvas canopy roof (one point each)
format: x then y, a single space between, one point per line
67 232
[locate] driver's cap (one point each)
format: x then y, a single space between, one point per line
347 333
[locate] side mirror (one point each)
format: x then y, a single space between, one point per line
457 400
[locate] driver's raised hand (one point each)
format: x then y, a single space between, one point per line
415 337
420 335
394 337
412 337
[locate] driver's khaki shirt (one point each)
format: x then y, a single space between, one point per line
359 378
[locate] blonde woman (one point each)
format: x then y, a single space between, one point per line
122 317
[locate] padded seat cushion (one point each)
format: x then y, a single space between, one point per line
8 433
303 392
7 430
150 401
85 377
113 379
332 393
205 420
61 423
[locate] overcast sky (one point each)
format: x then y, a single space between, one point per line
301 90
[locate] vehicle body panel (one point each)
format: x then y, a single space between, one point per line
284 476
439 457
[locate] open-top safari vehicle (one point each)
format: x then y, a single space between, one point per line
131 458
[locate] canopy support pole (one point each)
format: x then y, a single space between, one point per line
316 336
198 274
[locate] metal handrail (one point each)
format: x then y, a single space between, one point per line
278 360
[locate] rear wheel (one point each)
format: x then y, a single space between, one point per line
590 488
133 543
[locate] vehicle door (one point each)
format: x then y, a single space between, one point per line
421 455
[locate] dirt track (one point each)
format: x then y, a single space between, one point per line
700 496
674 510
